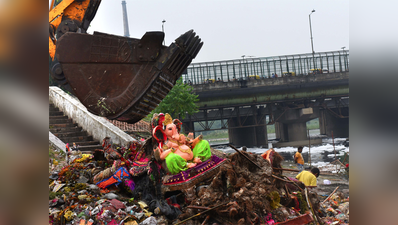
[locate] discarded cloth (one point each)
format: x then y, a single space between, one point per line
115 179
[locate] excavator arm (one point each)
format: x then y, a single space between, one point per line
116 77
69 16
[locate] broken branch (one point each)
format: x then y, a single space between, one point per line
200 213
330 195
198 207
205 221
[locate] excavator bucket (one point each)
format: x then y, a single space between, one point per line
124 78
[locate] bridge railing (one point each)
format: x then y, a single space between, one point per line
265 67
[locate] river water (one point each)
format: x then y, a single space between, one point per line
321 154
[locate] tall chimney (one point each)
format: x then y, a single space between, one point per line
125 20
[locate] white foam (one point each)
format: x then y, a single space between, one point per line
316 151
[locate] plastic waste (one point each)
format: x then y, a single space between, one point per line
110 196
69 215
344 207
142 204
131 223
93 187
149 221
139 215
96 210
327 182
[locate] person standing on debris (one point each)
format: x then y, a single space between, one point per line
298 159
309 178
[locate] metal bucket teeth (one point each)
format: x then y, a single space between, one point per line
124 78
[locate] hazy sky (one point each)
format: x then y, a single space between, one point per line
232 28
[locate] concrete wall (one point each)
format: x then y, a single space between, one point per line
56 142
96 126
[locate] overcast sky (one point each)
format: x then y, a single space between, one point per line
232 28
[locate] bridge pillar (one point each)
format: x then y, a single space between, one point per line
261 136
240 136
291 125
281 131
252 136
328 123
261 130
297 131
291 131
188 126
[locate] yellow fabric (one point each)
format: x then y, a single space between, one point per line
307 178
299 157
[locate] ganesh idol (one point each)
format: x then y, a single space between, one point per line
179 152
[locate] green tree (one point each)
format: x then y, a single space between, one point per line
179 101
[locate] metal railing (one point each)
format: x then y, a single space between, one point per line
265 67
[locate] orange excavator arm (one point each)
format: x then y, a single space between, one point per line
69 16
116 77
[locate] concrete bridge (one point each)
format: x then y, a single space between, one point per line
289 101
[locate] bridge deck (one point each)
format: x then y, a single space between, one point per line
248 92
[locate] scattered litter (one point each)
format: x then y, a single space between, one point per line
126 186
327 182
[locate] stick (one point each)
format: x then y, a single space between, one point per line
345 156
287 180
330 195
310 206
334 149
287 190
200 213
244 155
205 221
278 178
309 147
285 169
290 181
198 207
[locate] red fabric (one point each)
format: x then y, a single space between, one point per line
113 222
67 147
110 181
107 183
177 206
117 204
116 178
296 203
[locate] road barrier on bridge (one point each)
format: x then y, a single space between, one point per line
265 67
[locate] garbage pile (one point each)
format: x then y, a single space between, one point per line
335 209
118 185
98 188
247 191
